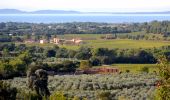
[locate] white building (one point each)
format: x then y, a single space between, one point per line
42 41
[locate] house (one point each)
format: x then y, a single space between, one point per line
57 41
64 41
108 70
43 41
110 36
74 41
29 41
78 41
68 42
104 70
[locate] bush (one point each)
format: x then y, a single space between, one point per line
27 95
163 87
104 96
144 69
95 61
127 71
57 96
84 65
7 92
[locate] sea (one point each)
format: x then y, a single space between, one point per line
63 18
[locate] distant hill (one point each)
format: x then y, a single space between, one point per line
11 11
15 11
55 12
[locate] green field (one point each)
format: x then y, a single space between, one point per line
134 68
111 44
95 41
84 36
120 43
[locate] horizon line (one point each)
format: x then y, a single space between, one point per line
85 11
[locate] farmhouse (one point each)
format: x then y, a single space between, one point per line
43 41
29 41
57 41
64 41
73 41
98 71
78 41
110 36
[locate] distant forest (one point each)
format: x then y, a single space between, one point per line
156 27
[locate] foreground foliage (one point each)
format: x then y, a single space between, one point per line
163 92
7 92
129 86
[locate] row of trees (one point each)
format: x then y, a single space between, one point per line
156 27
84 28
96 55
104 55
62 28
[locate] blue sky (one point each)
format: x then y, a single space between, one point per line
88 5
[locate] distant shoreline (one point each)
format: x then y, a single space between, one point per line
16 11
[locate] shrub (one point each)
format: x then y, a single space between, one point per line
31 95
104 96
144 69
127 71
57 96
7 92
84 65
163 87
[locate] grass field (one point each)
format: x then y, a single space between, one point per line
125 43
111 44
134 68
84 36
120 43
95 41
98 36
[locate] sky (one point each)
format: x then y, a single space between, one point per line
88 5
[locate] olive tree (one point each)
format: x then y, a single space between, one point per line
38 81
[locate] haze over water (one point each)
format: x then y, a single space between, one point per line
61 18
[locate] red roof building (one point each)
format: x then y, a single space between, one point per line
98 71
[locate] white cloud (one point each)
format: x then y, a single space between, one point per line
88 5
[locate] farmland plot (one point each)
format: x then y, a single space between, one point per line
126 85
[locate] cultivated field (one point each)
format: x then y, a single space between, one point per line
119 43
111 44
95 41
136 68
121 86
